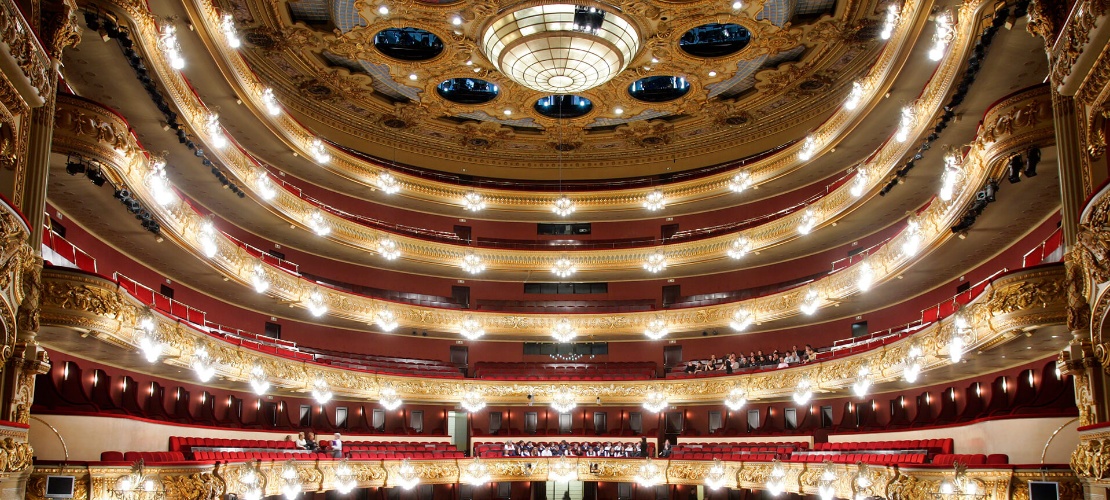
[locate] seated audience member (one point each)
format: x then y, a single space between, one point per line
797 352
310 441
637 450
300 442
810 354
629 450
508 450
590 451
666 451
781 363
691 367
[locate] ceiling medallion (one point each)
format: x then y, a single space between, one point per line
560 48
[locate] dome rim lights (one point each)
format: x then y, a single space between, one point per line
523 44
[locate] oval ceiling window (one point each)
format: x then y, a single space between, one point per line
563 106
408 44
715 40
467 90
659 88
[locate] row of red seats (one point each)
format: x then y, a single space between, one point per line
976 459
867 458
148 457
397 455
381 446
185 443
734 457
933 445
731 447
233 456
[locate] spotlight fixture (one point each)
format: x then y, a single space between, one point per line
808 222
388 183
855 96
386 320
739 247
736 399
942 36
316 303
563 267
321 391
471 328
1032 158
319 151
655 200
270 101
859 182
388 248
656 328
259 280
740 182
257 380
809 148
388 397
655 262
890 22
227 26
75 167
473 201
472 263
1015 166
170 48
563 206
318 223
741 319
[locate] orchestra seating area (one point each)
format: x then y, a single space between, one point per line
565 371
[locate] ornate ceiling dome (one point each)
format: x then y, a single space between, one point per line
560 48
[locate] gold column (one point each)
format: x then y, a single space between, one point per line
1074 178
33 185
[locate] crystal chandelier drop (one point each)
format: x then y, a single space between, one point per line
215 131
150 342
776 479
345 479
560 48
259 280
170 48
826 482
475 473
741 319
859 182
865 277
388 183
863 381
655 262
257 380
471 328
472 263
804 391
321 391
316 303
250 480
407 478
913 364
956 347
740 182
227 26
290 480
388 397
473 201
943 36
656 329
656 401
473 401
562 470
564 331
890 22
808 222
906 121
739 247
715 477
386 320
912 237
563 206
655 200
318 223
206 236
809 148
953 162
649 474
270 101
203 364
159 184
564 401
319 151
138 485
810 301
563 267
855 96
265 187
736 399
388 248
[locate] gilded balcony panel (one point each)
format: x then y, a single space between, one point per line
905 483
1014 306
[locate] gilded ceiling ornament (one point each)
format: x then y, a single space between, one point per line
647 134
404 115
334 85
484 135
294 38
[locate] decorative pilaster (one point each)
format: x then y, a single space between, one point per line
1075 180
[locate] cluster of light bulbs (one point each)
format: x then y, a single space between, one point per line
318 223
388 183
388 249
259 279
170 47
386 320
741 319
809 148
215 131
472 263
655 200
564 331
265 186
316 303
206 236
953 162
473 201
656 328
203 365
388 397
564 401
740 182
159 184
655 262
231 35
473 401
471 328
739 247
319 151
563 206
942 36
563 267
656 401
808 222
270 101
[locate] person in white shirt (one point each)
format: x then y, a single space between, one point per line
300 442
337 446
545 452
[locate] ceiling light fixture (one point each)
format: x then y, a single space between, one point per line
206 236
388 183
473 201
203 365
257 380
865 276
227 26
808 222
859 182
811 300
270 101
564 331
472 263
906 120
809 148
740 182
321 391
855 96
655 200
656 401
386 320
563 267
170 48
741 319
319 151
259 280
471 328
804 391
315 302
318 223
656 328
942 36
215 131
388 248
890 22
736 399
655 262
564 400
388 397
739 247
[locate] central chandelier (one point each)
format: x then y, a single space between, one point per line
471 328
562 470
564 331
656 401
564 401
560 48
473 401
388 397
563 267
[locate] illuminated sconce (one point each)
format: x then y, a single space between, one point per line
321 391
736 399
386 320
388 248
906 121
473 401
656 401
655 262
475 473
564 331
563 206
316 303
912 237
863 381
826 482
259 279
741 319
562 470
290 479
953 162
473 201
655 200
159 183
649 474
388 397
407 478
739 247
740 182
227 26
150 342
656 328
270 101
471 328
257 380
345 479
